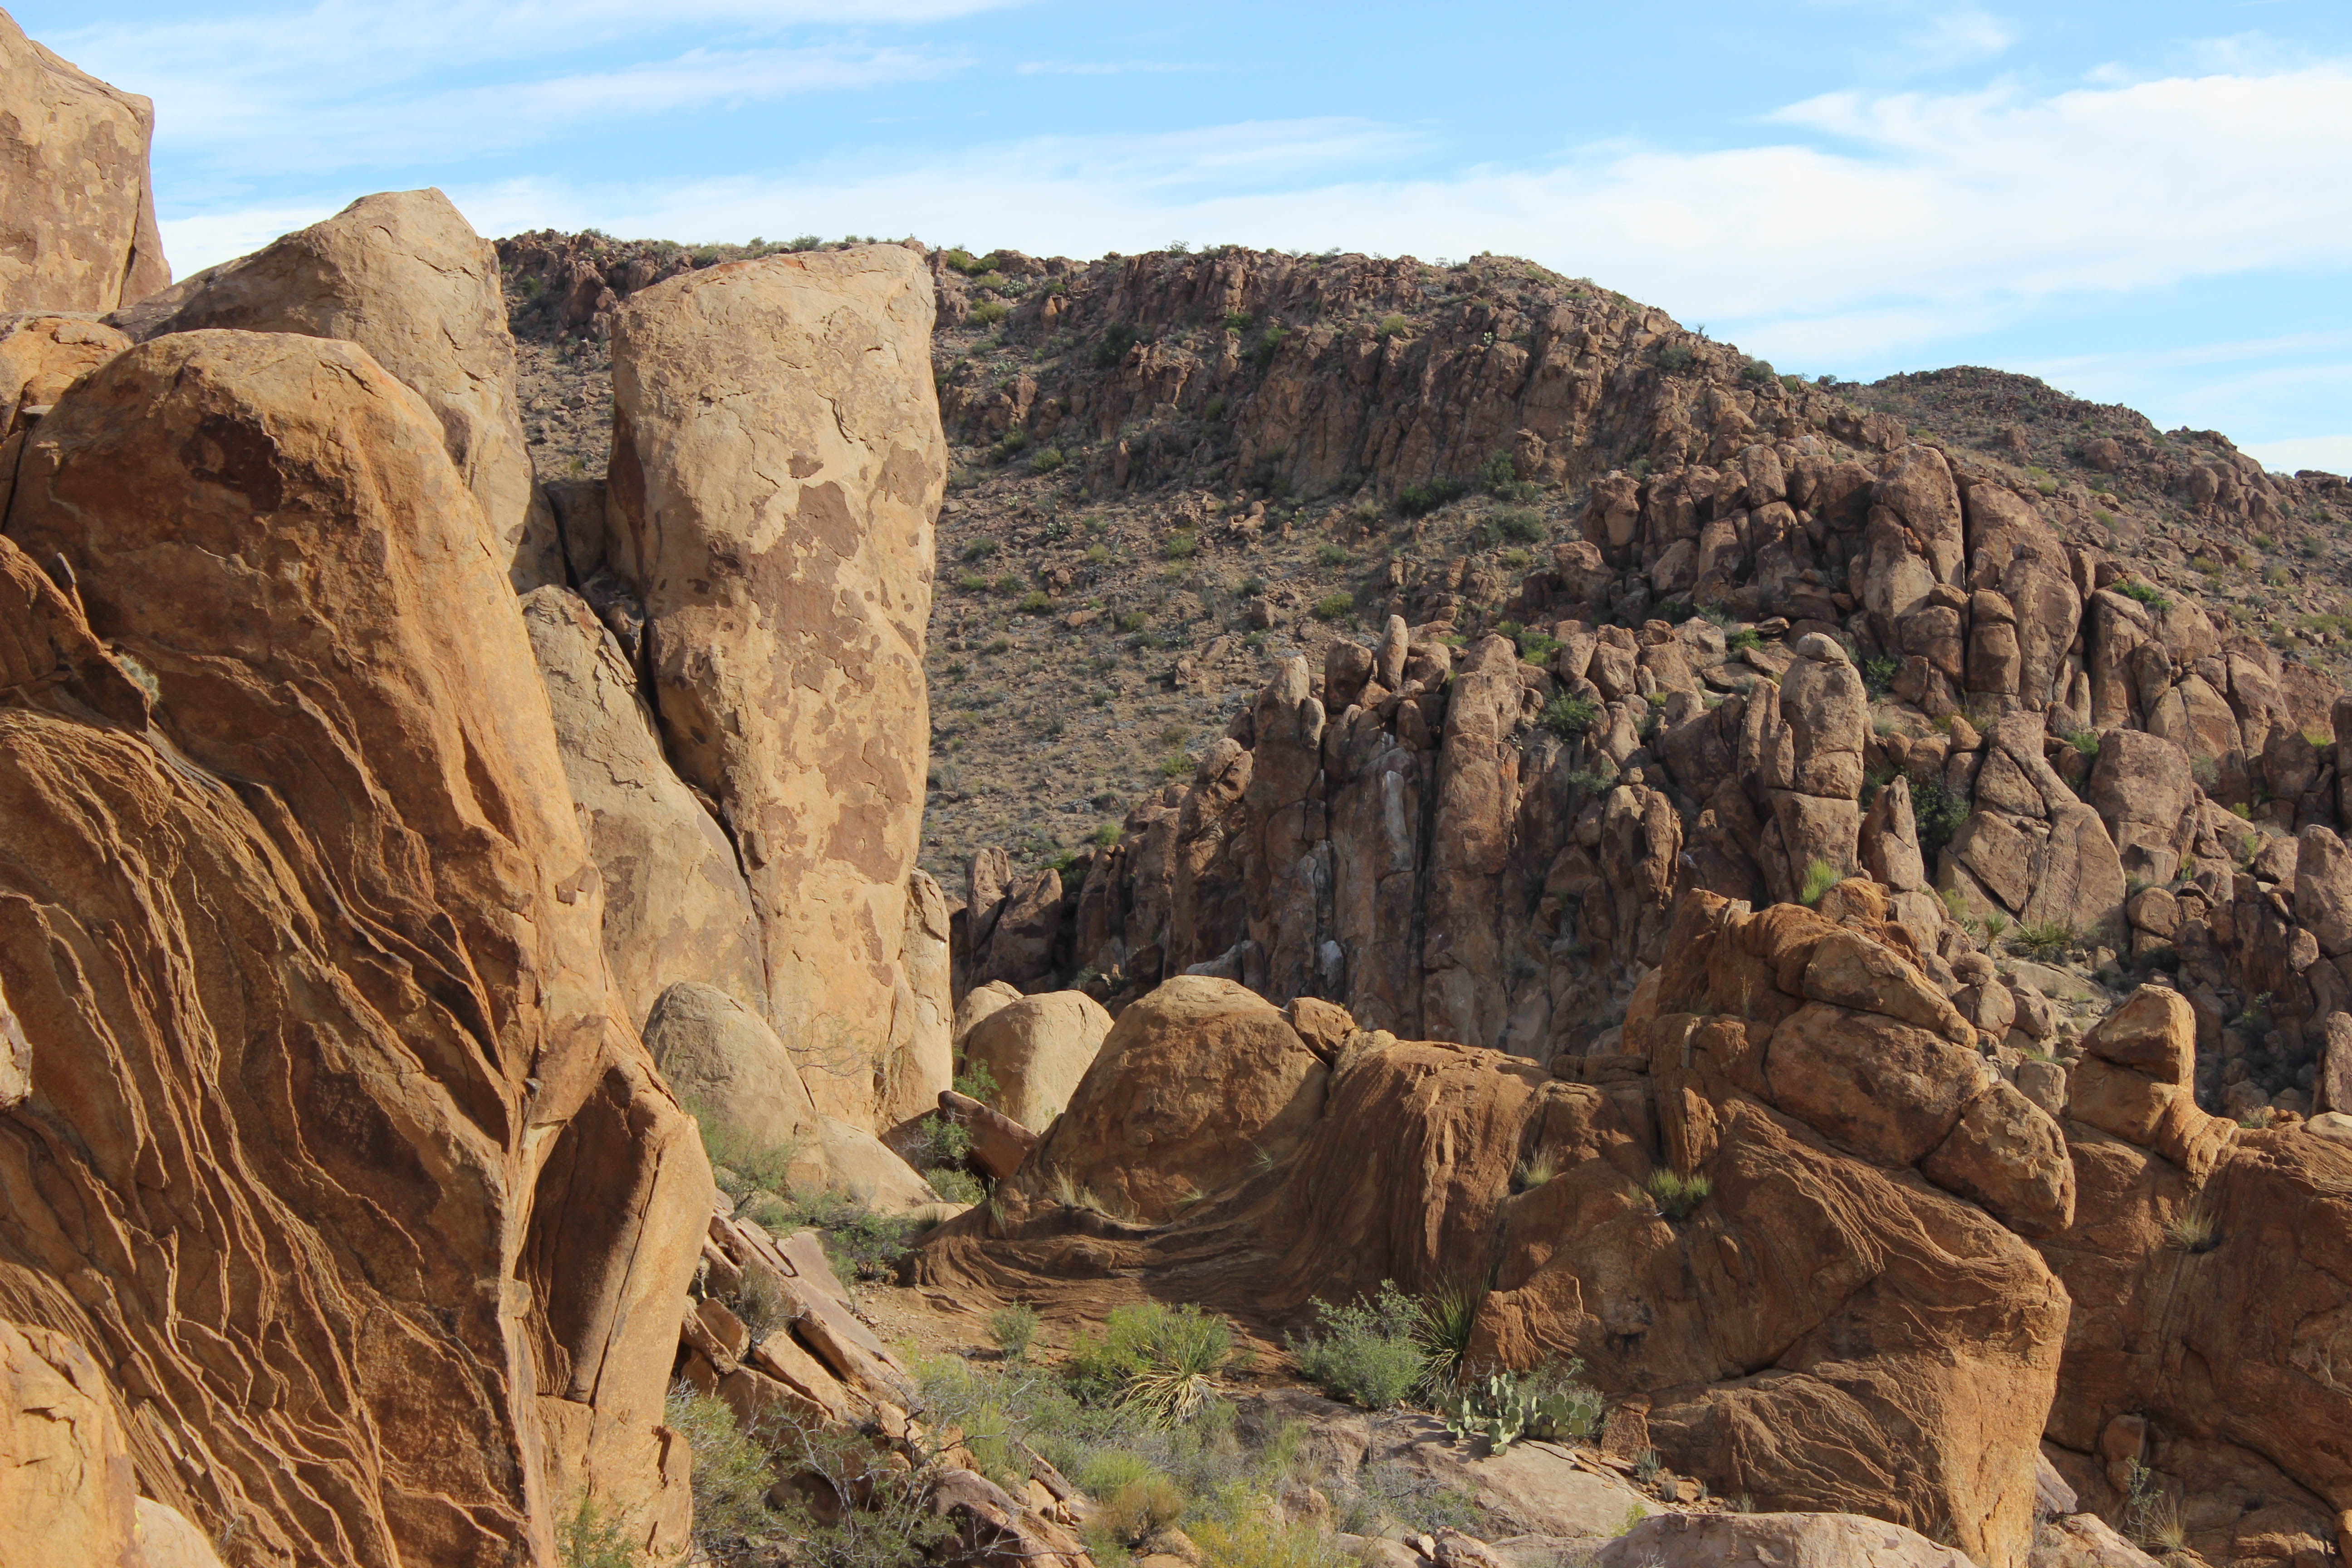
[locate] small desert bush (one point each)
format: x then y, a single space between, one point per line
1334 606
1258 1539
1522 524
1418 500
988 312
1015 1329
1046 461
588 1537
1367 1352
731 1474
2152 597
859 1243
1675 1194
1180 545
1567 717
1331 555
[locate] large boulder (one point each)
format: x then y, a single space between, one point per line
40 356
725 1062
777 464
77 207
676 907
1194 1085
311 969
68 1497
404 276
1037 1049
2142 788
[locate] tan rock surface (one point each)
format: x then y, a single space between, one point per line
777 465
77 206
403 275
68 1498
335 1054
723 1060
676 907
40 356
1039 1048
1781 1540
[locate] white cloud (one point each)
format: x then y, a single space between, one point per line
1111 67
2332 454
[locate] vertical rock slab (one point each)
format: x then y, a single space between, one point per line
777 465
68 1498
403 275
76 210
676 909
339 1155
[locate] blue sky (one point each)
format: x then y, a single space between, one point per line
2148 203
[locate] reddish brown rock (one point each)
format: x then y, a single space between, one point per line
339 1028
77 206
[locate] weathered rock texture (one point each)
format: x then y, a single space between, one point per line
338 1143
1037 1049
76 210
676 907
777 465
1845 1323
402 275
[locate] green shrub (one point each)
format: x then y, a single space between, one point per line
1259 1539
1155 1361
1015 1329
756 1164
1239 321
731 1474
2084 741
1133 621
589 1537
1045 460
1743 639
1939 813
1105 836
1419 500
1112 346
1267 346
1391 325
1175 765
1567 716
2153 598
1215 408
1676 357
988 312
1367 1353
1676 1195
1331 555
1180 545
1537 648
1819 877
1036 602
1878 675
972 582
1334 606
859 1243
976 1082
1523 524
1755 371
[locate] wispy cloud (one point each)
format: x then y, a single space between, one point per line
1112 67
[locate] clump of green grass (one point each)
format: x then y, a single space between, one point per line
2195 1228
2044 940
1534 1172
1157 1362
1675 1194
1819 877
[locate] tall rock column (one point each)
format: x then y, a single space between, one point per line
76 210
777 465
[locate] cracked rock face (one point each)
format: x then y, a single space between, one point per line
335 1141
777 467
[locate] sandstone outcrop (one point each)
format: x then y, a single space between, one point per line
1784 1539
1037 1049
404 276
1827 1329
677 910
337 1141
78 209
777 465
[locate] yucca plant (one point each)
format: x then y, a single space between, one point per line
1448 1318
